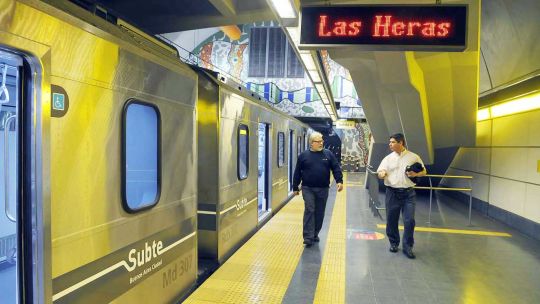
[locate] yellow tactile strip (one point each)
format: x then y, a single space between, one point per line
261 270
331 283
453 231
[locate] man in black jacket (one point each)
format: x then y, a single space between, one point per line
313 171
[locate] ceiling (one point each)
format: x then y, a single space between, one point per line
431 97
159 16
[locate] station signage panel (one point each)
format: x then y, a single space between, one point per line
385 27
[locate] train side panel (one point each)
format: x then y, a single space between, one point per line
95 241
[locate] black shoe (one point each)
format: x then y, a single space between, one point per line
308 243
393 248
409 253
316 239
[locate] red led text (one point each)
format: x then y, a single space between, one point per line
338 28
384 26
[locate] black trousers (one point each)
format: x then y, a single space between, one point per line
315 204
400 201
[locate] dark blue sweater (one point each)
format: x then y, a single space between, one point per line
313 169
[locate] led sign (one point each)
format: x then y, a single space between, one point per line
385 27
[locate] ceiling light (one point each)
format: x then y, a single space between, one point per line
284 8
308 61
294 34
315 77
325 100
483 114
320 89
521 104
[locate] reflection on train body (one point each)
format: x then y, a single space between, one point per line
121 165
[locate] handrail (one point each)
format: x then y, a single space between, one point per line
373 189
370 171
4 93
431 189
6 168
444 188
449 176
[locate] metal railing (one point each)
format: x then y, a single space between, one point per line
431 189
373 190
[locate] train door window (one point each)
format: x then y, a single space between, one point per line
291 146
141 156
243 152
281 149
299 145
264 172
10 137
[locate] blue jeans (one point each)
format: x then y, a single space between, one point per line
398 201
315 203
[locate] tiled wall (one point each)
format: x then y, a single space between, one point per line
504 164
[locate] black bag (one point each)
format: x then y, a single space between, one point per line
416 167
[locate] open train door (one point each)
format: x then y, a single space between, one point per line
22 278
291 160
263 160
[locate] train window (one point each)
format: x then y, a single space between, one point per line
299 145
281 148
141 168
243 152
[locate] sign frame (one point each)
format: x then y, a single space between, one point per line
386 46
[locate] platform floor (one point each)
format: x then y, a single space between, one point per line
487 262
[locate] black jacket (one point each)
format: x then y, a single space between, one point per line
313 169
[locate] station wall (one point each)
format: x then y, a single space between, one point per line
505 165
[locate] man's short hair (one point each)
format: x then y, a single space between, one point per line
399 138
313 135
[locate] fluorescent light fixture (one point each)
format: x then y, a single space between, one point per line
320 89
521 104
308 61
483 114
294 33
314 76
325 100
284 8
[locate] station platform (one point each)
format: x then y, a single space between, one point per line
487 262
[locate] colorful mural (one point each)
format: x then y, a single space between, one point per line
214 50
343 89
354 141
294 96
354 147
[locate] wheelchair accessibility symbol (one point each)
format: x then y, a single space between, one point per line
58 102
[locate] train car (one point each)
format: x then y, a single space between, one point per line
247 152
99 164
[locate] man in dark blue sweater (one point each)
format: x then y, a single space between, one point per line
313 171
